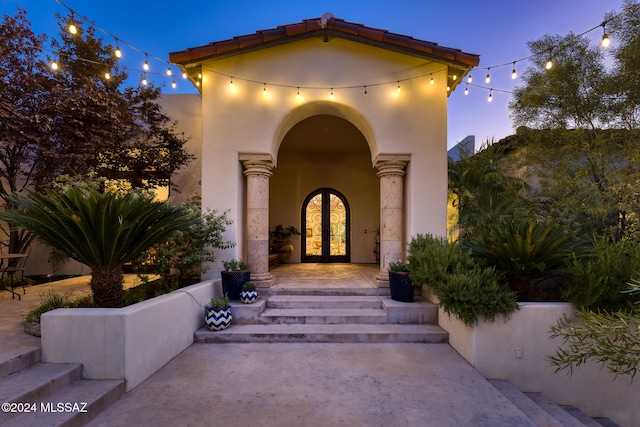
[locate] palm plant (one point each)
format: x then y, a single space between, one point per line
103 230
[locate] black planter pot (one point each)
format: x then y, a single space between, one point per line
232 282
401 286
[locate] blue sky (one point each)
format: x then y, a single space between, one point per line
497 30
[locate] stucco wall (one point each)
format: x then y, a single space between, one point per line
241 119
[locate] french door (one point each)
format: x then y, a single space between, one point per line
325 227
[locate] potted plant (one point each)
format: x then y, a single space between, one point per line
400 283
282 241
217 314
235 274
249 294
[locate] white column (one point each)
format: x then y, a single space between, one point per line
258 171
391 173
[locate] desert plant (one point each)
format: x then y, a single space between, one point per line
102 229
53 300
235 265
219 302
598 281
464 287
248 286
398 266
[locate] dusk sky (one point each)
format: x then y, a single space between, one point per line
497 30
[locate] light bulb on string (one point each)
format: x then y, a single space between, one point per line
514 73
298 93
173 84
197 83
466 90
230 81
264 88
490 95
107 75
448 88
365 91
606 42
54 65
487 79
117 52
184 75
169 72
398 86
145 66
549 64
469 79
331 95
432 78
144 80
73 29
455 77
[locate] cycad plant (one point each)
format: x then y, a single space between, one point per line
102 229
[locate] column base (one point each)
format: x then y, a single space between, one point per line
382 279
265 280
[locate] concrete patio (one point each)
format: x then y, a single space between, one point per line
302 384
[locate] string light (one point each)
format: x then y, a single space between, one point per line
331 95
514 73
184 75
72 26
107 75
145 66
365 91
606 42
432 78
169 72
455 77
144 80
490 95
54 65
173 84
264 88
466 90
117 52
549 64
231 82
469 79
398 86
298 93
488 78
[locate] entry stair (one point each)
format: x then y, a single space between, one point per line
360 315
51 394
356 315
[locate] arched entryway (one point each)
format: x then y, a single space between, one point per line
325 220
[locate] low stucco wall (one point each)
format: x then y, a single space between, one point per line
129 343
516 349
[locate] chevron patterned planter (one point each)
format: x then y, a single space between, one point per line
249 297
217 319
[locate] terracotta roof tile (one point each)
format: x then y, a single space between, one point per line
334 27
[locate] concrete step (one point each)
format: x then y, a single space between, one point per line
329 316
545 413
327 291
74 405
327 301
20 361
559 413
359 333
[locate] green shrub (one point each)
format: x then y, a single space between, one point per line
598 282
471 293
464 287
219 302
52 301
235 265
398 266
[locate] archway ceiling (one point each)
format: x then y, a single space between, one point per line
325 134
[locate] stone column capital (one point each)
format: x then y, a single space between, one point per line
257 167
391 167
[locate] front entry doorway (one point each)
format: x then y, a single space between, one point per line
325 227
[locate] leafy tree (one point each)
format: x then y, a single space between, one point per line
588 174
74 120
102 229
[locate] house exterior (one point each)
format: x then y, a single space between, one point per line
334 128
